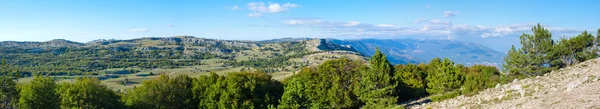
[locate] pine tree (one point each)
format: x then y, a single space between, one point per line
8 88
412 81
514 62
377 85
443 77
534 54
596 43
8 93
569 51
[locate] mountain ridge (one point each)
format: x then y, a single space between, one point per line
402 51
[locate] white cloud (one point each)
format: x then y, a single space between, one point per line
437 22
387 25
254 14
428 6
516 29
449 14
234 7
272 8
352 23
302 22
258 8
137 30
426 28
168 25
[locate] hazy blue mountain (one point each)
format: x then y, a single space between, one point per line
400 51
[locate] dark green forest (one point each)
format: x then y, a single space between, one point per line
339 83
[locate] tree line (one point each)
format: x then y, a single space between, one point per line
81 60
339 83
540 54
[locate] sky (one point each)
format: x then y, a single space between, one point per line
494 23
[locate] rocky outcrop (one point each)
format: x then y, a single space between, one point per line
576 86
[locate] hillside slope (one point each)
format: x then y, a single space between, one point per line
401 51
577 86
136 60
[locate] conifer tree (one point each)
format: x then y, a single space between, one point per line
514 62
8 88
443 77
534 57
377 85
411 81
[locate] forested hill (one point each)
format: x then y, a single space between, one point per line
173 55
64 57
401 51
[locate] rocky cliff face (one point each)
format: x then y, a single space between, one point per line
577 86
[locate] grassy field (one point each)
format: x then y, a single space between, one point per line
212 65
134 79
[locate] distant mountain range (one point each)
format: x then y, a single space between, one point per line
401 51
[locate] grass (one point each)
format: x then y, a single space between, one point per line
510 96
445 96
212 65
510 91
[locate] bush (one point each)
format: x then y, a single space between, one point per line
88 93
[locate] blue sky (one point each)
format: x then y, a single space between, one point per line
496 24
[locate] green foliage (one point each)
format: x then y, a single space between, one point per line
445 96
295 95
533 57
329 85
536 48
326 85
88 93
480 77
443 76
573 50
237 90
539 54
376 85
9 93
412 81
61 57
202 90
163 93
39 94
340 83
514 61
